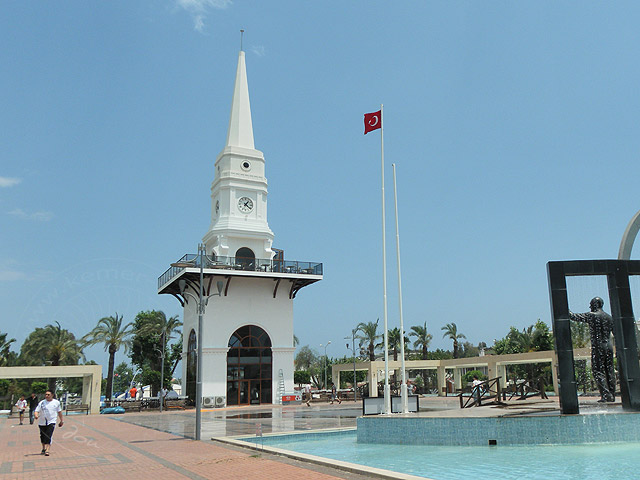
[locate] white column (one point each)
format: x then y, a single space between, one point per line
214 372
457 378
282 358
442 380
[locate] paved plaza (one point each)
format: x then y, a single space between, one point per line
153 445
100 446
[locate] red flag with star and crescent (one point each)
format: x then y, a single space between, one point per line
372 121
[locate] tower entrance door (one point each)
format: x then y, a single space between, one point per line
249 367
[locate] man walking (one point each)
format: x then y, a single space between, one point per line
46 413
33 403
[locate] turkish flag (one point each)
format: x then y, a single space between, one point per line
372 121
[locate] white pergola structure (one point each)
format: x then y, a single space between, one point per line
495 364
91 379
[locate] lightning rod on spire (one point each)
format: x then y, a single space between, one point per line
241 37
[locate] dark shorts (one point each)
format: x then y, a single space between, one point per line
46 432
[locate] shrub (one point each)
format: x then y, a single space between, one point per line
468 377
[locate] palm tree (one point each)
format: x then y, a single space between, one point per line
369 336
451 331
52 345
110 331
165 328
5 348
423 338
393 338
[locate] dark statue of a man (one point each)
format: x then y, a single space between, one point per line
600 326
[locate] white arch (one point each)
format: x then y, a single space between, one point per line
629 237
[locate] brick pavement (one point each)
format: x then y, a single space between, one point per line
95 446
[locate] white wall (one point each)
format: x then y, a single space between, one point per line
249 301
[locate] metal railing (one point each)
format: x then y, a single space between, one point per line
241 263
485 393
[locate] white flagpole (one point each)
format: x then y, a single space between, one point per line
387 390
403 388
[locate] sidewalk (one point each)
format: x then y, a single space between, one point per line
101 447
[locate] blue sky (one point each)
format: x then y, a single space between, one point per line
513 126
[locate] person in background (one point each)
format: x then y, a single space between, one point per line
133 392
476 387
46 413
334 394
21 405
33 403
307 394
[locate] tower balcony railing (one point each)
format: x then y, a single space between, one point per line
240 263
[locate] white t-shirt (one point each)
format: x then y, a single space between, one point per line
21 405
48 410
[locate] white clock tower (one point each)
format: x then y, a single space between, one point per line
245 346
239 225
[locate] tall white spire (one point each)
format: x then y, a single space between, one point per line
239 189
240 132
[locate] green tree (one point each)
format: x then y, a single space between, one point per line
305 358
468 377
468 349
5 349
39 387
175 354
51 345
580 335
451 331
152 331
368 336
301 376
308 360
114 335
423 338
123 374
535 338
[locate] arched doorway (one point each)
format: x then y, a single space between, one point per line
192 357
249 371
246 258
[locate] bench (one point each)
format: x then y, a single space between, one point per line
79 407
177 403
131 405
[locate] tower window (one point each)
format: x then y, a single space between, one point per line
246 258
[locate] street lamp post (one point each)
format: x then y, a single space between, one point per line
353 344
325 362
162 354
202 301
133 380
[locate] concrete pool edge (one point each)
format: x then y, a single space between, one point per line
242 442
500 430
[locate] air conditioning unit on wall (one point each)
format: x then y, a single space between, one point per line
211 402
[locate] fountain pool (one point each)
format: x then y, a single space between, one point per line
531 462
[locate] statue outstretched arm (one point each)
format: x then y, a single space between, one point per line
581 317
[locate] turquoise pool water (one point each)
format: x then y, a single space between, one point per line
542 462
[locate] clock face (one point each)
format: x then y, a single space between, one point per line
245 204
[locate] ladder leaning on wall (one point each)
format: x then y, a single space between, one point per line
280 391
